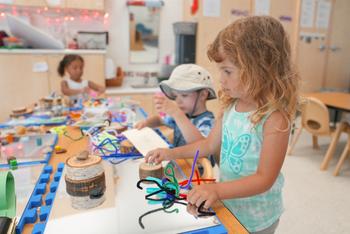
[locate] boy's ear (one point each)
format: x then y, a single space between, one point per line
203 94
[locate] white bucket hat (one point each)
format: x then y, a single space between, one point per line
188 78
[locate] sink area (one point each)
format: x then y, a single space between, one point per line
145 82
142 86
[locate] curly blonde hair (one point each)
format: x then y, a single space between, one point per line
260 48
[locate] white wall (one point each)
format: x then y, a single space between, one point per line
118 49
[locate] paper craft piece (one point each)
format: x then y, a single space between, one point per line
262 7
323 14
6 1
145 140
40 67
54 2
212 8
307 13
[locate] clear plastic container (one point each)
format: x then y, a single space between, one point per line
13 42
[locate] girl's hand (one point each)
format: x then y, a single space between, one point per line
157 155
201 193
141 124
86 90
162 104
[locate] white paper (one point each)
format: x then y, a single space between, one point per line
212 8
323 14
145 140
54 2
40 67
6 1
307 14
262 7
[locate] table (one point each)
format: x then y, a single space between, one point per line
339 102
74 147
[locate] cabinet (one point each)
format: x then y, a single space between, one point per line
21 85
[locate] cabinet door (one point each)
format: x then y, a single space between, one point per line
312 53
19 84
93 70
86 4
338 69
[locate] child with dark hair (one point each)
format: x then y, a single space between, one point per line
71 69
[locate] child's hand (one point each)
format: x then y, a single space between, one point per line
162 104
157 155
141 124
201 193
86 90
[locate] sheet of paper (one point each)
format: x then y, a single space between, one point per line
262 7
54 2
6 1
145 140
40 67
307 13
212 8
323 14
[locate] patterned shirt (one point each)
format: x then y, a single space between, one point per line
203 122
240 155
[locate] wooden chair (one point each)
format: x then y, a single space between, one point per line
208 172
315 119
344 155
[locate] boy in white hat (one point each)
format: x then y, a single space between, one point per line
189 87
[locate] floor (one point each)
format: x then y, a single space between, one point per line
315 201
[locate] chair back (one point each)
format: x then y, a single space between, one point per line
315 117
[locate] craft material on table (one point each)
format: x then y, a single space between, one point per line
122 208
25 179
145 140
169 192
7 195
29 149
85 180
35 121
150 169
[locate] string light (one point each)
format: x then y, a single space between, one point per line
57 15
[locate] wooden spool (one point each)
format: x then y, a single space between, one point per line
148 169
48 102
85 180
20 111
127 147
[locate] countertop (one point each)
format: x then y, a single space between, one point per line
127 89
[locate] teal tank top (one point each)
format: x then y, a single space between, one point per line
240 154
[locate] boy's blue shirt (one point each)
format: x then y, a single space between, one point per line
203 122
